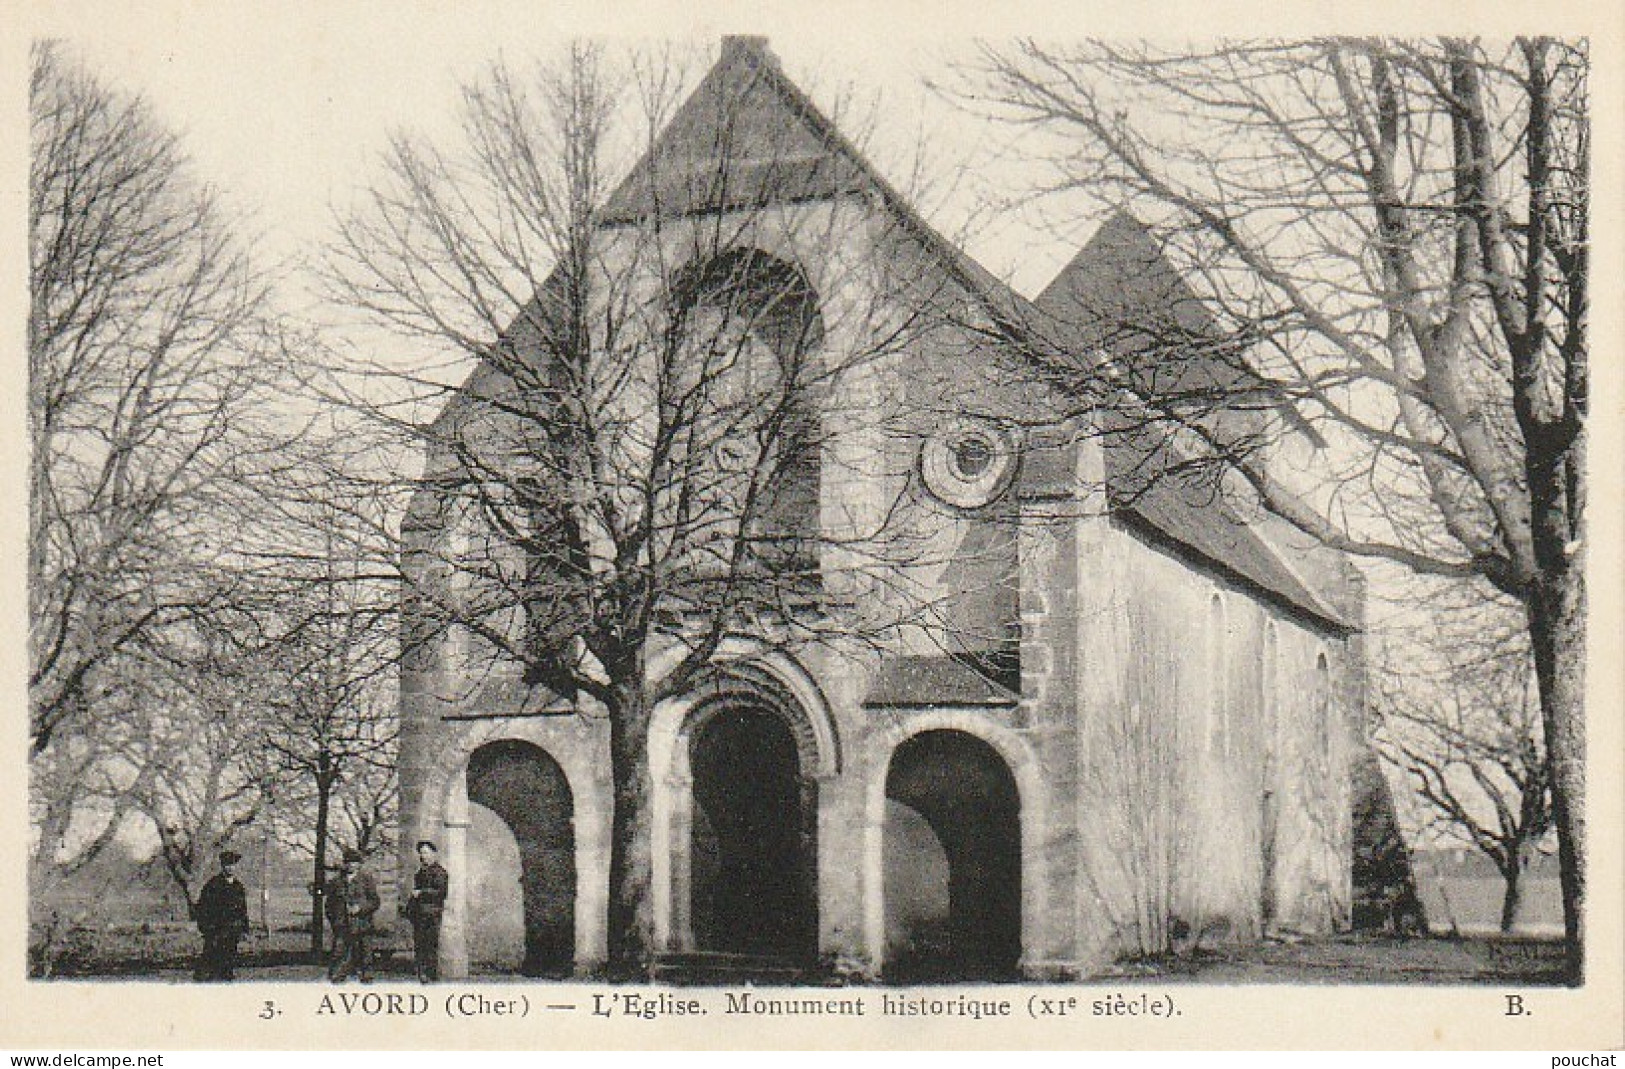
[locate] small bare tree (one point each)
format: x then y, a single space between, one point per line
211 786
171 748
1463 724
332 726
85 789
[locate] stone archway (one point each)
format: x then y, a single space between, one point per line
752 838
737 811
528 869
952 861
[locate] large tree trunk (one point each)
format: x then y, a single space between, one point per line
1512 895
631 916
1557 614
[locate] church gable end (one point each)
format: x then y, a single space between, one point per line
743 139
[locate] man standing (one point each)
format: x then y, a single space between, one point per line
424 908
352 899
221 914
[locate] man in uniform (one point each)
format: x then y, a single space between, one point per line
424 908
221 914
352 900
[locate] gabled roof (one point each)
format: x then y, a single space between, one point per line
1121 300
748 136
1147 482
745 137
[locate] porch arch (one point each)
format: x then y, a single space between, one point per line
527 790
1032 817
763 713
573 745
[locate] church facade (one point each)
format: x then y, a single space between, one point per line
1132 720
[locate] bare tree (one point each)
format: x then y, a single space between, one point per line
211 784
1391 242
149 358
1463 724
162 438
146 349
332 724
631 473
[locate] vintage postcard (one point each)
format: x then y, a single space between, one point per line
858 526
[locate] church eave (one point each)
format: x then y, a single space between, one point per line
1302 609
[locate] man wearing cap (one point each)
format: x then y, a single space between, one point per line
221 914
424 908
352 899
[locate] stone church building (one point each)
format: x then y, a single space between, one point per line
1144 730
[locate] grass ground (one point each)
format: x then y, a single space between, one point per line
167 953
1372 959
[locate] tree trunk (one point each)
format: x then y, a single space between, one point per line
631 914
318 883
1512 896
1557 630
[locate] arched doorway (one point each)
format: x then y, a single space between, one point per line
535 881
952 861
753 838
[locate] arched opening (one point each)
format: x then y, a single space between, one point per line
751 329
953 861
531 878
753 864
1218 678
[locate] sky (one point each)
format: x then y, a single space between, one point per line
287 114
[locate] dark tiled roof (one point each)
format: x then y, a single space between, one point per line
1145 482
1120 299
932 681
730 146
1120 293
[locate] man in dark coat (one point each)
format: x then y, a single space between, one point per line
221 914
352 900
424 908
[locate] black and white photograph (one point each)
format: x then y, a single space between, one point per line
812 531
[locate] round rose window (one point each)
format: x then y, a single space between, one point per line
968 465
